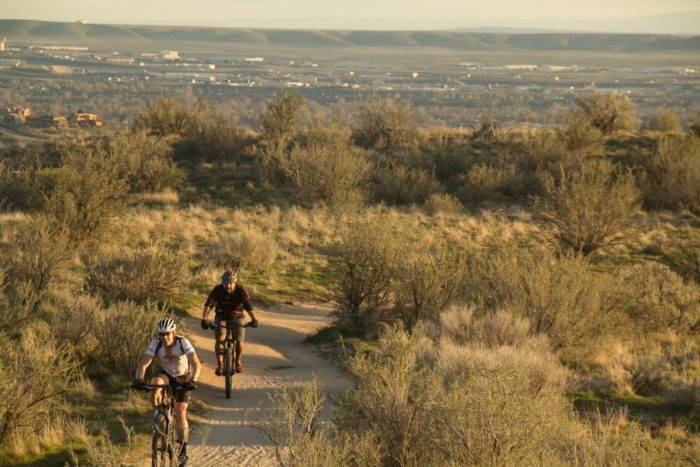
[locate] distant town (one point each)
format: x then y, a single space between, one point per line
65 85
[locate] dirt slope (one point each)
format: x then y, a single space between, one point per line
275 357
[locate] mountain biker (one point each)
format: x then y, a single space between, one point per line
180 365
230 299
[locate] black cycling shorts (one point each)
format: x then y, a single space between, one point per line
179 393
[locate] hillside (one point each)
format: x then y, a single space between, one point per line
28 31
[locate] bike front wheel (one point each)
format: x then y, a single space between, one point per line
228 371
161 448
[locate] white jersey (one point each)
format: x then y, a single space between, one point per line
173 360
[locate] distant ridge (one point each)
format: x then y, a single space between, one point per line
30 31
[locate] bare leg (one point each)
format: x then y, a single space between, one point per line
181 426
157 394
219 345
239 351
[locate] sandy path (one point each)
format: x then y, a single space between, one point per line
275 357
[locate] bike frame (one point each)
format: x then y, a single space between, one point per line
162 442
229 353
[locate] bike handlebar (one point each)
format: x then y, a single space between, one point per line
212 325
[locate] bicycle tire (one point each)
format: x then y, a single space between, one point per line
161 448
228 371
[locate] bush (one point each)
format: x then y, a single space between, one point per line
442 203
654 297
85 194
673 175
589 207
608 112
559 296
400 185
386 125
19 183
218 139
139 276
428 279
362 267
122 331
144 161
491 183
682 254
279 122
665 121
248 247
333 174
29 264
165 117
579 135
36 373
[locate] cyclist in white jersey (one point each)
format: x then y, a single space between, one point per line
180 365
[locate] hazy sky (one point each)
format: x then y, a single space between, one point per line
355 14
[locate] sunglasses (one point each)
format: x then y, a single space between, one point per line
163 334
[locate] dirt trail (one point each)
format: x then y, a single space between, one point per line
275 357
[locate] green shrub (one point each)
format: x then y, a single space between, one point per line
36 373
85 194
164 117
673 175
362 267
491 183
400 185
122 331
589 207
144 161
608 112
386 125
140 276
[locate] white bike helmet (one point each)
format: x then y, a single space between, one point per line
166 325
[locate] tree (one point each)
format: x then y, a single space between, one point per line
279 121
608 112
169 116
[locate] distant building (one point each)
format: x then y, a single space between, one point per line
87 119
16 115
255 59
43 121
9 63
170 55
523 66
82 21
2 44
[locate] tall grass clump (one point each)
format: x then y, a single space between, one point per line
589 207
36 374
672 175
398 184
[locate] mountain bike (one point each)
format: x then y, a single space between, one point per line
163 451
229 353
